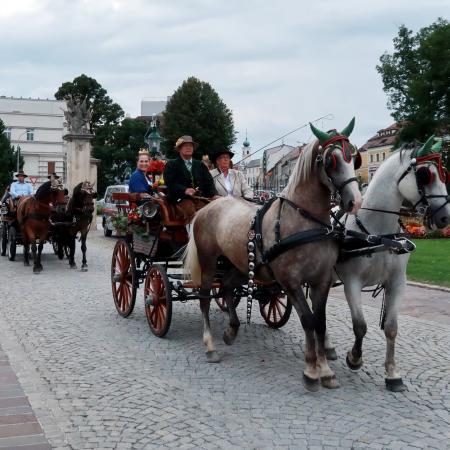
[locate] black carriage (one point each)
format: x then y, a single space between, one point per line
11 234
151 254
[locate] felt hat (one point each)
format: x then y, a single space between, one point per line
185 140
21 173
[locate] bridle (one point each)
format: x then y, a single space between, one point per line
328 158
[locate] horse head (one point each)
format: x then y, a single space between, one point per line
423 183
339 159
56 190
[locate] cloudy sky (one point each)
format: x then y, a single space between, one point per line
276 64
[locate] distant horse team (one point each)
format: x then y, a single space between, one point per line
48 214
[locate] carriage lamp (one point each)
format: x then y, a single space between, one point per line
149 210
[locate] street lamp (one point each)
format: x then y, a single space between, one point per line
18 150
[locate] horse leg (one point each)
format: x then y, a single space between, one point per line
35 259
39 253
393 295
319 295
330 350
83 249
353 295
311 374
232 279
72 243
207 279
26 251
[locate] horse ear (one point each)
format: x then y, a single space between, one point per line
347 131
321 135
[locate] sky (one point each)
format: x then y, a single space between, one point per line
276 64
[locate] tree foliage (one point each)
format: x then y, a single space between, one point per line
416 78
196 109
8 160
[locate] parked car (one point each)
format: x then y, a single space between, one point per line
108 208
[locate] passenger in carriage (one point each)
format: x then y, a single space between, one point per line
187 178
6 195
229 182
139 183
20 188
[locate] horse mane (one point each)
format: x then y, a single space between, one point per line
77 197
44 189
303 168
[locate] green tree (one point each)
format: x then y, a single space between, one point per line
106 117
197 110
8 160
416 78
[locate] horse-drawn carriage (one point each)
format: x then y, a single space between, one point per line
152 253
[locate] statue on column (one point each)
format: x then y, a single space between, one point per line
78 115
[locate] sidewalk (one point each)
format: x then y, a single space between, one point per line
19 428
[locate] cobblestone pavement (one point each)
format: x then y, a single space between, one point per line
96 380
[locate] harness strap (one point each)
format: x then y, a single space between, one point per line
297 239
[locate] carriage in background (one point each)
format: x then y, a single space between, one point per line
152 254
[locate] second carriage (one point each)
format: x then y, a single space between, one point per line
151 253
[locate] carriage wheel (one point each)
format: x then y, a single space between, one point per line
4 238
123 278
222 304
276 311
12 243
158 300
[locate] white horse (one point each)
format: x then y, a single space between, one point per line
418 177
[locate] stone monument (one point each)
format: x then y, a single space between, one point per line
80 165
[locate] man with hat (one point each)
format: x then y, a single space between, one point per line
53 174
186 177
229 182
20 188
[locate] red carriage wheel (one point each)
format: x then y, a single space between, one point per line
222 304
158 300
276 311
123 278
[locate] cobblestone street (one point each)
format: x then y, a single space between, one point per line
96 380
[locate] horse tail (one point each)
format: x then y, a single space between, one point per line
191 266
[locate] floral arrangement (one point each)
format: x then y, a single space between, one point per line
120 221
156 166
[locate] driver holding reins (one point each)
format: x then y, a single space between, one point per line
187 178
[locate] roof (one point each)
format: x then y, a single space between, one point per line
384 137
254 163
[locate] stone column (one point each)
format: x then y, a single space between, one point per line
78 160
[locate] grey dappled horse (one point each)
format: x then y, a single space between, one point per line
221 229
418 177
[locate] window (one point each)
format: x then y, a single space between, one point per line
384 156
371 158
378 157
30 134
51 167
7 133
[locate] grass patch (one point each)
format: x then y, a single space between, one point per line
430 263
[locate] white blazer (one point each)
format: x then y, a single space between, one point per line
238 183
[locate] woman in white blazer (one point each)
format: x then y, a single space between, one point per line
229 182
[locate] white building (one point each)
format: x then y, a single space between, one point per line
253 173
37 127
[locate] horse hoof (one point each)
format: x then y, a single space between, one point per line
3 254
84 269
73 266
228 338
395 385
212 357
330 382
310 384
351 364
26 264
36 270
12 259
331 354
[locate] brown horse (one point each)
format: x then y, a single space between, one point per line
33 214
81 210
223 229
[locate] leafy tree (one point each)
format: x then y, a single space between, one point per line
416 78
196 109
106 117
8 160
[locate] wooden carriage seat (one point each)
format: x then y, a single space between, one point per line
169 215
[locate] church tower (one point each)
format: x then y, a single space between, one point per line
246 150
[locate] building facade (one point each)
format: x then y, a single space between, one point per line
36 128
377 149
